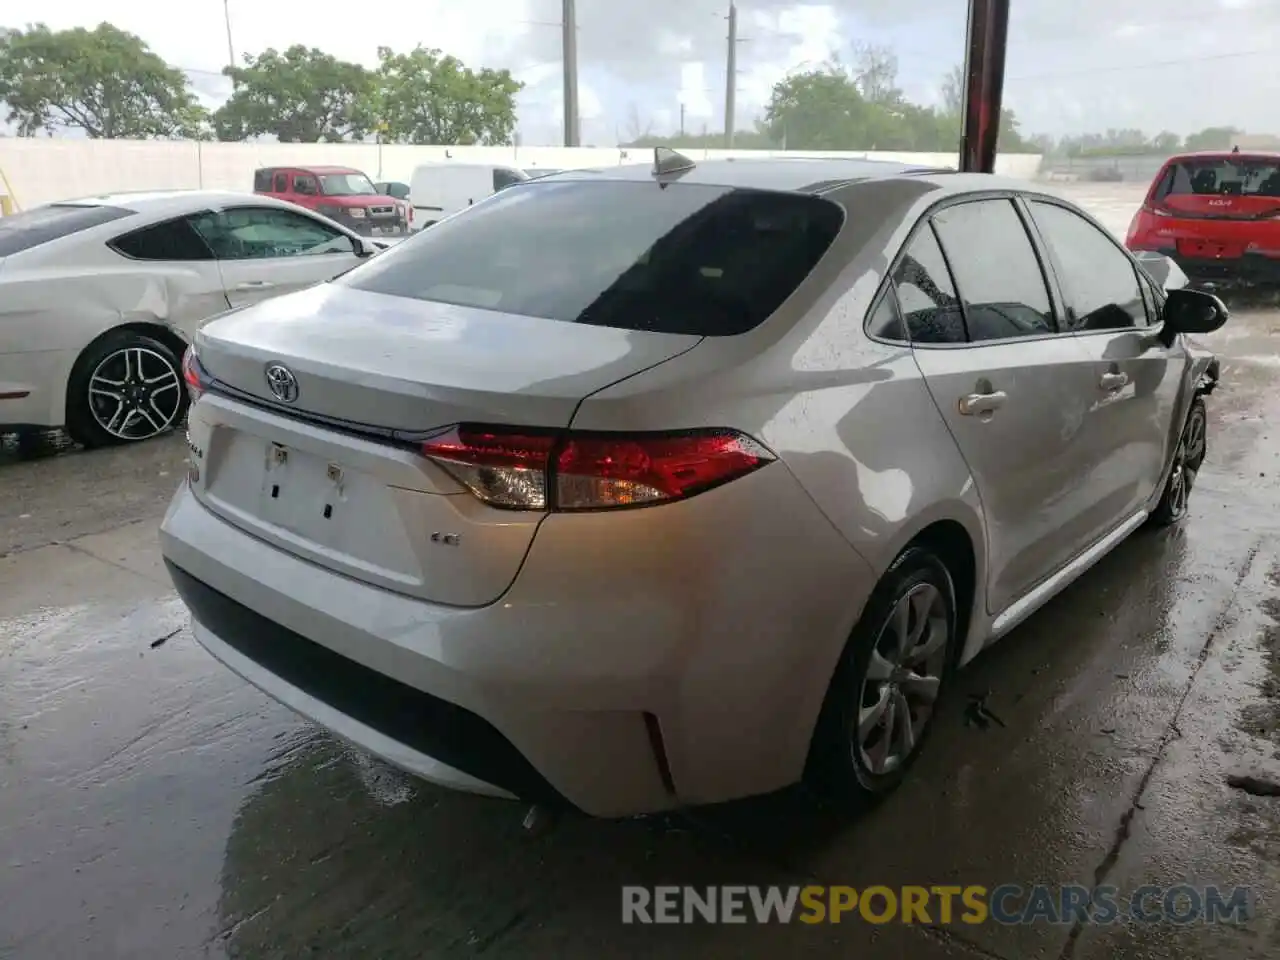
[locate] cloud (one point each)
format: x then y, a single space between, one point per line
1096 64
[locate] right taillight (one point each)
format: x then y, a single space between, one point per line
567 470
194 374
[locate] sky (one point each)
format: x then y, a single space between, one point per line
1179 65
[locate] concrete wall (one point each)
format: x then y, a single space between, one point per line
44 170
1131 169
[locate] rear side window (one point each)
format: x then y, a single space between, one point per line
996 270
926 294
281 183
22 231
676 258
1221 176
262 181
172 240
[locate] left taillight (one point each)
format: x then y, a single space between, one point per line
565 471
195 376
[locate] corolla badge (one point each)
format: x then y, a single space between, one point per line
282 383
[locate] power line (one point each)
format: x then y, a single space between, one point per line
1154 65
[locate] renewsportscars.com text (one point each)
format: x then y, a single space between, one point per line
1008 904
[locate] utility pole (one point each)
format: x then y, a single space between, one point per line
682 120
226 16
731 78
569 22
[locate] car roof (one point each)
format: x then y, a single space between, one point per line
310 168
1226 155
801 174
161 202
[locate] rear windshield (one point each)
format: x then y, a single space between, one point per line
1221 176
680 258
22 231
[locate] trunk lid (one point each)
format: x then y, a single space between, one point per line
349 500
412 365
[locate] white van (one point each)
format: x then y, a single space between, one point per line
439 189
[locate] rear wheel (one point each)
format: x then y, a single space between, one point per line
1188 456
879 708
125 388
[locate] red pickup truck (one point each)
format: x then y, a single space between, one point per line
342 194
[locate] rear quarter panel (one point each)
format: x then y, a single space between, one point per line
850 417
50 312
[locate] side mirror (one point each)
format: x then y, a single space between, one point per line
364 248
1193 311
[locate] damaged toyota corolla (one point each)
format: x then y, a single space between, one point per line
649 487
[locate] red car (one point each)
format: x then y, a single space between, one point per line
339 193
1217 215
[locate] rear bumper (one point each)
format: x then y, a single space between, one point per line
1250 270
628 669
358 703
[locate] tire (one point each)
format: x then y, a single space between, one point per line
125 388
1188 456
852 762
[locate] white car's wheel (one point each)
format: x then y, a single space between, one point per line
125 388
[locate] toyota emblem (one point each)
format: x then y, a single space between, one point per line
282 383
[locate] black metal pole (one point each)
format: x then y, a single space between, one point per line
983 84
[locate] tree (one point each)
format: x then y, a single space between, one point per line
952 91
104 81
875 71
299 96
1212 138
951 116
425 96
818 110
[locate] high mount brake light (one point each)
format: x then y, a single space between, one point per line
566 471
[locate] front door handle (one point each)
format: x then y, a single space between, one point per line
976 404
255 285
1113 381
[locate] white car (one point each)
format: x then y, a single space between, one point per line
100 297
654 488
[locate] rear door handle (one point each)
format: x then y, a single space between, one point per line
976 404
1113 381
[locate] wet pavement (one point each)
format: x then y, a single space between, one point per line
154 806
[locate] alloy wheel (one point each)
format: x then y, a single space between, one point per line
135 394
902 680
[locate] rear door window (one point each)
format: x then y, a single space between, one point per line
1099 281
996 270
926 293
262 181
281 183
676 258
31 228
